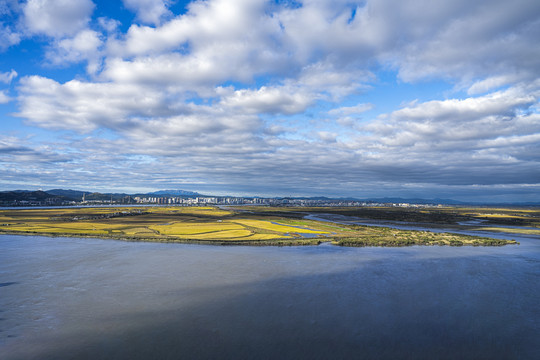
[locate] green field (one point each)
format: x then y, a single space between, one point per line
265 226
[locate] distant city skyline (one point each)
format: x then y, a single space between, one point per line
66 197
363 99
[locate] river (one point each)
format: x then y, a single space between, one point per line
82 298
439 228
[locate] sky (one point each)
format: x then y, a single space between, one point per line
341 98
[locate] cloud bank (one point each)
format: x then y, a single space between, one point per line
281 97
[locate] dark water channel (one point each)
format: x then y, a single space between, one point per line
71 298
404 225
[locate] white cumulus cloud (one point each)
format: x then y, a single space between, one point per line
57 18
84 46
240 89
149 11
4 98
351 110
6 77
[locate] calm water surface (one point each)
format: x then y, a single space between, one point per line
71 298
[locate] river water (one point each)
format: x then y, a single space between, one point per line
81 298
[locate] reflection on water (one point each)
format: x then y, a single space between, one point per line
89 298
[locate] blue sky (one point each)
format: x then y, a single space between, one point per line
366 98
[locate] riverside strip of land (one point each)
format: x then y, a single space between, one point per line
255 225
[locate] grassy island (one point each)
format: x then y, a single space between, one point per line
250 226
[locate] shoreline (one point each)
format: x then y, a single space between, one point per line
261 243
285 242
216 226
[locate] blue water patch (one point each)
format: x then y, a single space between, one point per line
74 298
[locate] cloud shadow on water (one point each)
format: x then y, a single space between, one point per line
8 283
443 308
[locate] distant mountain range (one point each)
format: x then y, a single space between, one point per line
23 195
59 196
76 195
173 193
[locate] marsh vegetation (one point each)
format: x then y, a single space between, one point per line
265 226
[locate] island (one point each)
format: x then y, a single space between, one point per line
260 225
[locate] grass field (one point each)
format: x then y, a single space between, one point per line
267 226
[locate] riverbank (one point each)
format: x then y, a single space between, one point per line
209 225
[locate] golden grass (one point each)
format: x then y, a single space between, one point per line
195 210
180 228
265 237
57 230
138 231
267 225
221 235
312 224
509 230
501 216
209 224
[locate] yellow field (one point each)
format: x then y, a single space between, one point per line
181 223
197 211
207 224
138 231
194 228
65 227
222 235
510 230
512 216
56 230
265 237
267 225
